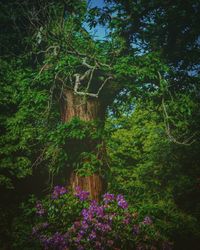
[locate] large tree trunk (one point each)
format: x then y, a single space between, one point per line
86 109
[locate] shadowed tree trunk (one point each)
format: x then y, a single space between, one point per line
86 109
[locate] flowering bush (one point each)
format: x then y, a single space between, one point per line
73 221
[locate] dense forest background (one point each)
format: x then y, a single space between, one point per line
104 95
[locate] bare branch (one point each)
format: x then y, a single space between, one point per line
102 64
90 79
187 141
86 94
92 94
44 67
87 65
39 159
77 82
97 62
55 47
107 79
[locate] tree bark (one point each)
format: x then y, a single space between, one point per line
86 109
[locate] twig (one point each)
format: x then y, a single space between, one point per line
107 79
166 117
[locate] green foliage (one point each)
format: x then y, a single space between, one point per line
71 220
150 166
151 57
25 123
70 143
21 232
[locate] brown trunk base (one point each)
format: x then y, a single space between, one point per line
94 184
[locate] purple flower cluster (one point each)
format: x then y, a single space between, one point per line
81 194
107 198
93 210
57 241
121 201
58 191
147 220
126 221
38 228
39 209
96 226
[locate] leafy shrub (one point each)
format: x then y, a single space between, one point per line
74 221
19 235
